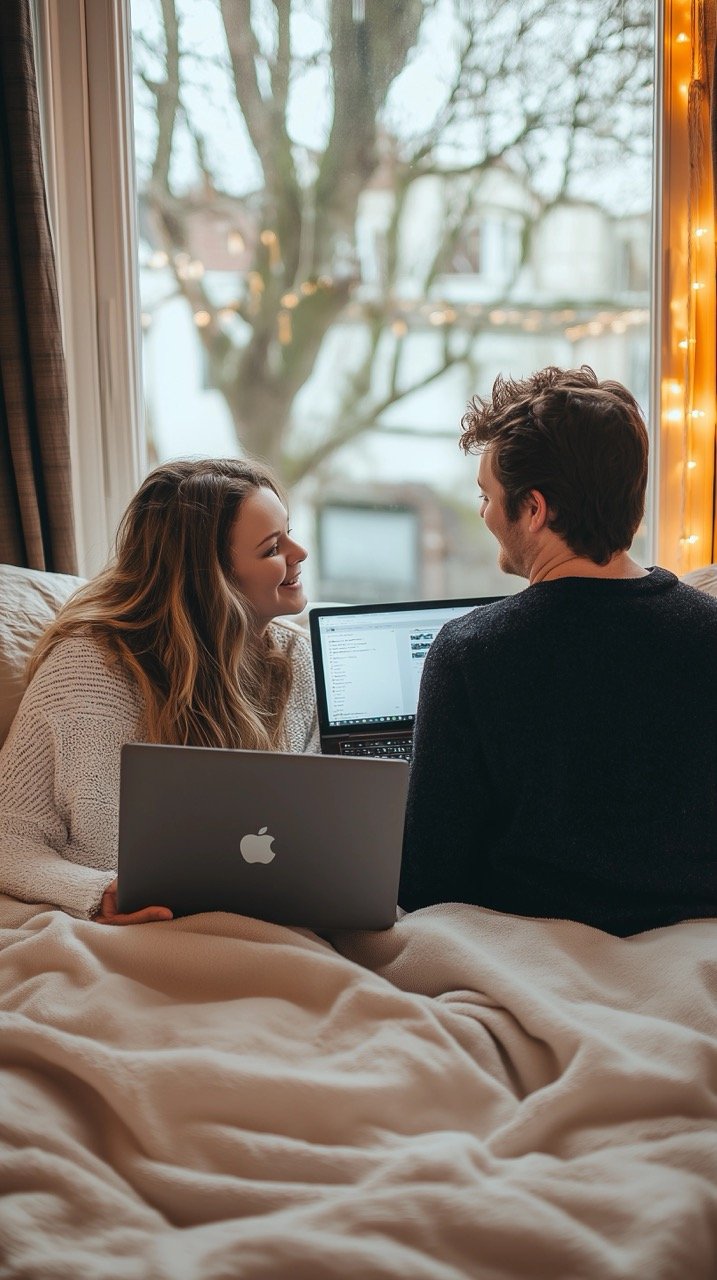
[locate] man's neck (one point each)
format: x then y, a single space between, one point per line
563 563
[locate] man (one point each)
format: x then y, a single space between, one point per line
565 755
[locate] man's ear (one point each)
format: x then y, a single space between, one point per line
537 509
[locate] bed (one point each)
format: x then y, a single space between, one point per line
466 1094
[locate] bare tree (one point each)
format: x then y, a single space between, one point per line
556 91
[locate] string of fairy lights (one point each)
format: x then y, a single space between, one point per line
688 383
405 314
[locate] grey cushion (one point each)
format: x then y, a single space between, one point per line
704 579
29 600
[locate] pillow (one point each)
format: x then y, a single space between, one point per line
704 579
29 600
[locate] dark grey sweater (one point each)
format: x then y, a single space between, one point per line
565 756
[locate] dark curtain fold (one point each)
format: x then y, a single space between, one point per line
708 50
36 524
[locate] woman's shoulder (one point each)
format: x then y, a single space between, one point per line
290 636
79 672
76 652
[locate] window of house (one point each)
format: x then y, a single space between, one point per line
466 257
365 550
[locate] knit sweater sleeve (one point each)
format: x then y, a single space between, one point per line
450 798
59 781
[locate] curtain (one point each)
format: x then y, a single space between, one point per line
36 524
687 289
709 37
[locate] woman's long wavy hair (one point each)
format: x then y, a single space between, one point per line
167 610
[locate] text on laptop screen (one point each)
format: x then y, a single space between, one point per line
373 662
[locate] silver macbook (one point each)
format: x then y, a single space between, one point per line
304 840
368 661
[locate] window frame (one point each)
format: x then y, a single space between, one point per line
85 89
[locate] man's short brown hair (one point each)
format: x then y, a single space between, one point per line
581 443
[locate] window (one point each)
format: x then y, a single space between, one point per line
316 276
333 328
467 258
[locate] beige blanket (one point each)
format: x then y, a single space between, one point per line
468 1094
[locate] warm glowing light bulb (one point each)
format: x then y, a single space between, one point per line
691 464
701 231
673 415
682 38
698 285
697 413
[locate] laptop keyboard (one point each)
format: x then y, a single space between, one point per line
386 749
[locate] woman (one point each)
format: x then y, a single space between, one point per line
175 642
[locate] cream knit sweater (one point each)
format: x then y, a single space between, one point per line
60 766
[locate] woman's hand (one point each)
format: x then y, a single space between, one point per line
108 913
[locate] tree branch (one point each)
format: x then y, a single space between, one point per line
166 96
266 123
297 467
281 69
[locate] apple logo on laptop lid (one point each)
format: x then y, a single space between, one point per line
257 848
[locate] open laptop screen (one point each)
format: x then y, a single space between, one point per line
368 660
